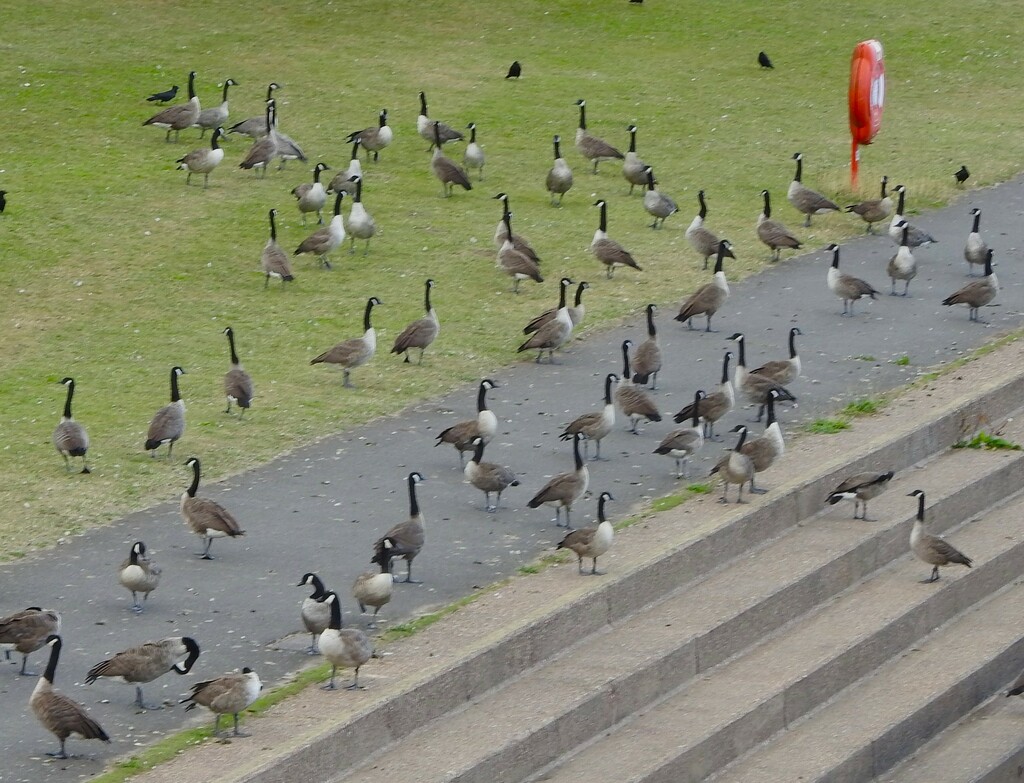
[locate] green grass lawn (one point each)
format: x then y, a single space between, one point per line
113 271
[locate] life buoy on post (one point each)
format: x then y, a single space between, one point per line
866 98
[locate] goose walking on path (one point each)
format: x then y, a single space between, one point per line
61 716
373 588
933 550
756 387
207 518
27 631
735 468
807 201
553 334
406 539
596 425
860 488
634 402
227 695
356 351
564 489
768 447
591 147
977 293
975 249
168 425
139 574
576 312
701 239
647 358
591 542
683 443
348 648
783 371
916 237
484 425
69 437
146 663
902 265
707 299
846 287
713 406
180 116
488 477
313 610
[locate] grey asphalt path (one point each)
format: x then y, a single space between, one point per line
320 508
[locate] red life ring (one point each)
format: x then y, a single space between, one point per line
867 91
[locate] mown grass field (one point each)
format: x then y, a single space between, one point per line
113 270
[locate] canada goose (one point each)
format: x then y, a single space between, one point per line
657 203
343 180
238 386
375 138
564 489
501 233
349 648
755 386
976 250
933 550
608 251
646 360
559 179
517 264
356 351
488 477
163 97
634 402
961 175
553 334
715 405
445 169
147 662
709 297
683 443
772 232
873 210
902 265
376 588
576 312
764 450
735 468
180 116
846 287
226 695
361 224
860 488
203 160
406 539
764 61
256 127
915 237
168 425
27 631
264 148
139 574
783 371
326 240
287 148
204 517
273 260
473 157
597 425
701 239
69 437
591 542
421 332
591 147
809 202
211 119
315 612
311 197
426 127
61 716
484 425
634 169
977 293
515 70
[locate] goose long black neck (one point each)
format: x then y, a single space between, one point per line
194 486
770 405
792 342
335 611
767 205
506 218
799 167
70 383
557 142
355 148
337 202
626 375
901 204
426 295
697 397
414 504
224 92
316 173
977 222
478 451
988 263
905 235
650 178
651 330
577 457
51 665
193 656
423 104
319 591
604 216
579 292
382 557
366 314
231 344
437 136
632 138
215 139
563 286
175 372
383 118
742 350
920 507
605 497
583 115
725 367
481 396
703 212
885 185
270 115
359 190
743 437
270 90
608 381
191 85
472 133
137 549
273 225
835 257
720 259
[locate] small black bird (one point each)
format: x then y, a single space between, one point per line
3 201
515 70
163 97
763 61
961 175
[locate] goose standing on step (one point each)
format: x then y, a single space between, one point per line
27 631
473 157
702 239
933 550
273 260
634 169
422 332
326 240
559 179
314 611
773 233
860 488
501 233
343 180
564 489
69 437
488 477
977 293
356 351
606 250
405 540
139 574
783 371
373 588
576 312
180 116
146 663
517 264
873 210
756 387
768 447
591 542
375 138
485 425
975 250
207 518
213 118
445 169
226 695
806 201
361 224
683 443
61 716
437 133
902 265
264 148
715 405
203 160
596 425
657 204
646 359
846 287
709 297
348 648
591 147
256 127
168 425
915 237
311 197
634 402
238 386
735 468
553 334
